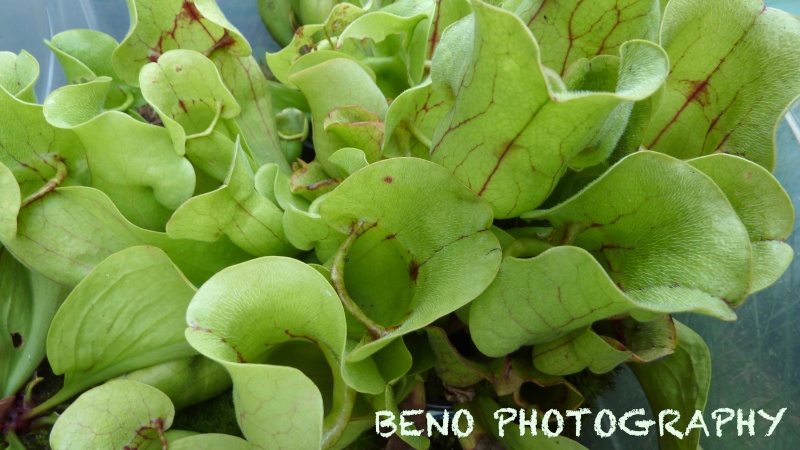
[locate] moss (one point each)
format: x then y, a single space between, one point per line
592 385
216 415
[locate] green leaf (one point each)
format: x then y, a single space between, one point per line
266 181
285 97
536 129
426 233
574 29
186 91
732 75
447 13
307 36
562 290
357 127
397 18
10 203
212 154
451 367
132 162
679 382
276 185
399 36
412 119
234 210
292 124
332 84
277 15
86 54
306 229
28 302
531 388
206 378
600 74
762 205
281 340
601 353
349 160
310 181
315 11
649 205
158 26
638 122
119 414
127 314
174 435
33 149
18 75
385 367
91 229
293 128
212 441
161 25
256 123
355 430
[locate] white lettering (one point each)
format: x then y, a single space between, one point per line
531 423
470 423
577 415
546 423
717 415
407 428
775 420
598 423
697 422
433 423
388 422
644 425
668 426
740 422
503 421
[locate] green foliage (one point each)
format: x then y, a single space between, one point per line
680 382
507 200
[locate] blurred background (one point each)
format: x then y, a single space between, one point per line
755 360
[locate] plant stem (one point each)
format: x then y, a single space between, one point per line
27 400
569 232
58 398
381 63
46 421
211 126
13 440
61 174
328 38
337 276
344 398
526 247
160 429
412 128
129 99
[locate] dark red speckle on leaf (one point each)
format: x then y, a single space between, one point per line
388 179
413 270
191 11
